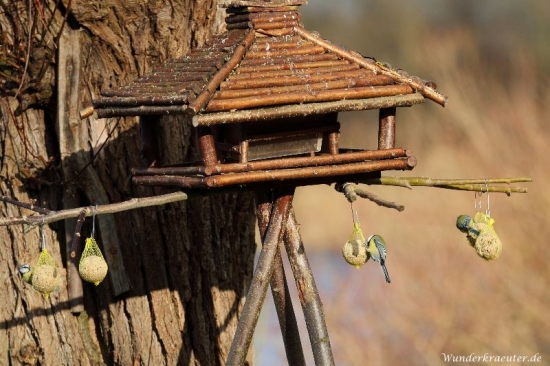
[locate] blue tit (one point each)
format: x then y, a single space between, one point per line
376 247
465 224
26 271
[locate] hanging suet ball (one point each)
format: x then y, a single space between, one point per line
481 235
45 279
93 269
487 245
355 253
354 250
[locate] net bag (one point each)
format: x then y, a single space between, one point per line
45 275
92 267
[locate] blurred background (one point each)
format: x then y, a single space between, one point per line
492 58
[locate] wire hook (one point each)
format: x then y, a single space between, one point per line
354 214
42 235
94 211
488 210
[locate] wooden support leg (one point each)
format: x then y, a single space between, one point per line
333 142
207 146
308 294
260 280
386 128
279 289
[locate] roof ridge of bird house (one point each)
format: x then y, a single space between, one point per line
265 65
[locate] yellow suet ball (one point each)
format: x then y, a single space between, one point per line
355 252
93 269
45 279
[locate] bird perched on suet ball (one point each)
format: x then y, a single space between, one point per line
465 224
44 278
26 272
481 235
376 248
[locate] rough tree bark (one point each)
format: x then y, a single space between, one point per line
179 273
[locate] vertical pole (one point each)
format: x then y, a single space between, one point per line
243 152
207 146
279 289
333 142
386 128
68 87
260 280
308 294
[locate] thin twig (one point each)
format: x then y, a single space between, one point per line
351 191
101 209
379 201
27 58
28 206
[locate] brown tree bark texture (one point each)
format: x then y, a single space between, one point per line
179 273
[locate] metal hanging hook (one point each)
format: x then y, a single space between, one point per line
42 235
478 205
354 214
94 211
488 210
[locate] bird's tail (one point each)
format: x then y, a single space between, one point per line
386 274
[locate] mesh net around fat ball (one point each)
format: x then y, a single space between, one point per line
92 267
355 249
45 275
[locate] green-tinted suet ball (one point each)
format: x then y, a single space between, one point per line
355 252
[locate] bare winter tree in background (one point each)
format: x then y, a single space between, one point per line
178 274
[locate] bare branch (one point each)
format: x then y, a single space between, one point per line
379 201
102 209
474 185
351 191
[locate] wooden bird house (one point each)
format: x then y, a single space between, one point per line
264 97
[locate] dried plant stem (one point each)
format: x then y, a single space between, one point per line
101 209
479 185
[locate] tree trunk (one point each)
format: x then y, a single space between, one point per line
177 274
